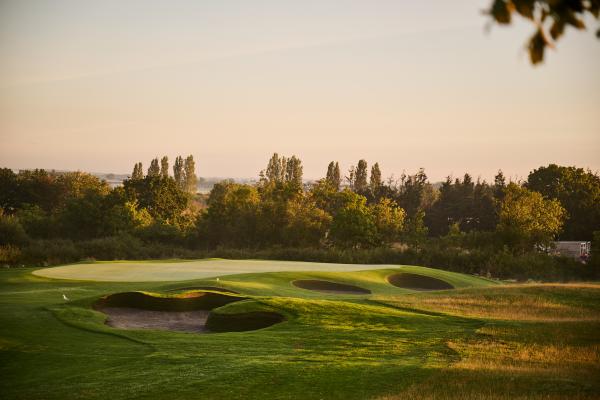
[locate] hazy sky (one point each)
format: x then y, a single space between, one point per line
99 85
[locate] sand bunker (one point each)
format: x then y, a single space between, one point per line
211 288
189 312
329 287
135 318
406 280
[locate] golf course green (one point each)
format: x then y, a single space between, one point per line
324 331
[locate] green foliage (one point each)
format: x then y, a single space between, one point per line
577 190
389 220
11 230
550 18
353 224
333 177
527 219
471 205
154 169
138 172
161 197
232 215
164 167
190 180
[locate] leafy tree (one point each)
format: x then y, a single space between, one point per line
178 172
138 172
293 171
550 18
191 181
375 180
527 219
333 175
11 230
164 167
353 224
9 190
577 190
306 224
161 197
389 220
232 215
154 169
360 177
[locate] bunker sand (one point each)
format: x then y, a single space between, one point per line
419 282
135 318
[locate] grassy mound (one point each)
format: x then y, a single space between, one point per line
249 321
187 302
329 287
410 281
211 288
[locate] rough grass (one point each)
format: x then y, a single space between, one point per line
483 341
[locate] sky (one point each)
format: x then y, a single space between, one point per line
99 85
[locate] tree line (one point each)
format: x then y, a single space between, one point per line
161 215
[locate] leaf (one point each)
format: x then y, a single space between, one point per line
525 8
501 11
571 19
557 29
537 45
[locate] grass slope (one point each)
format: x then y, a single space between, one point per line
477 341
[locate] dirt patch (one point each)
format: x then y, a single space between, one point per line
211 288
329 287
135 318
410 281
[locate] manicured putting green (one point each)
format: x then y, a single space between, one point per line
179 270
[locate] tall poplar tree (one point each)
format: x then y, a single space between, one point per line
154 169
138 172
164 167
375 181
178 173
333 175
190 181
360 177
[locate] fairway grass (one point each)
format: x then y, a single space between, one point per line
480 341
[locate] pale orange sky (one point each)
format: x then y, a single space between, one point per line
98 86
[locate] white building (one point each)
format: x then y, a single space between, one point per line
575 249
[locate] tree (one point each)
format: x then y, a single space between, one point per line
154 169
178 172
163 199
293 171
360 177
389 220
276 168
190 181
333 175
375 181
577 190
550 18
164 167
232 215
499 185
527 219
353 224
138 172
